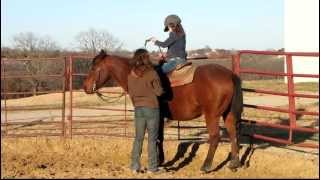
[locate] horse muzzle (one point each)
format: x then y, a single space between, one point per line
94 87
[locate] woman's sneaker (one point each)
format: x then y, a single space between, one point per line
135 171
156 171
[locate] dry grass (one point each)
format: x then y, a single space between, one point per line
103 157
280 86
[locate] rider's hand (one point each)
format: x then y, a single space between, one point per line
153 39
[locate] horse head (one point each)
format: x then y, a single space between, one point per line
98 74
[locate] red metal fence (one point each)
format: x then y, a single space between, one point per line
59 129
67 78
292 127
125 110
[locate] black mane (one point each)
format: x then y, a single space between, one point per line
102 54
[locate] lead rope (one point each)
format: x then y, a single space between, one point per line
100 95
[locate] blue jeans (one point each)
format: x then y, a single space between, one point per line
145 118
171 64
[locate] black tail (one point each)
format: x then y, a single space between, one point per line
237 99
237 104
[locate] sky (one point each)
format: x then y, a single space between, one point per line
227 24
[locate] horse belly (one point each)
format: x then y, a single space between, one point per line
184 105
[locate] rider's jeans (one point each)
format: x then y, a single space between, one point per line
171 64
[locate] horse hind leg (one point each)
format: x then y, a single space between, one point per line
230 124
212 123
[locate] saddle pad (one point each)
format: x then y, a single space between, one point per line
182 76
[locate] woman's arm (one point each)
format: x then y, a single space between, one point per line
155 84
171 39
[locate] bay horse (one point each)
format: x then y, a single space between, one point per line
215 91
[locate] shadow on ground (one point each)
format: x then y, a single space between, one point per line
246 141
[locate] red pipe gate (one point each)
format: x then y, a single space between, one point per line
68 74
291 95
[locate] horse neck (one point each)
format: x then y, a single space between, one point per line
119 69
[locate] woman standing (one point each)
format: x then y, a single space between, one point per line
143 87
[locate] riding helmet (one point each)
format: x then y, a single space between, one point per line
174 19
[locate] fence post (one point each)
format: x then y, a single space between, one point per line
70 93
292 108
125 114
64 79
236 64
5 97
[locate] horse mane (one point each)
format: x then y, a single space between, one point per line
102 54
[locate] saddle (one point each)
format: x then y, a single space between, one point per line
183 74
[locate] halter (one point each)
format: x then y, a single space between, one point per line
100 95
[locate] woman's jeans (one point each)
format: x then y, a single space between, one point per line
171 64
145 118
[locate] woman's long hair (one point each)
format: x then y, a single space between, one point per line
141 62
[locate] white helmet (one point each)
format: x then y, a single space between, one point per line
171 19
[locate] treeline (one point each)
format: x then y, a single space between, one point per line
38 48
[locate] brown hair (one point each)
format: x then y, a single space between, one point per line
141 62
178 29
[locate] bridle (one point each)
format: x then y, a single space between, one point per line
101 96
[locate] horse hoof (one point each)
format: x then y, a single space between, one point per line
234 164
246 165
205 169
234 170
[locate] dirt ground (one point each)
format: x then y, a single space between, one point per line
103 157
109 157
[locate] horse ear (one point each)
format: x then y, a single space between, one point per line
102 52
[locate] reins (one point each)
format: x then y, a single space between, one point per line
145 46
101 96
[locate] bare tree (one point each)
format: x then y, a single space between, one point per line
93 40
46 46
34 46
40 47
27 42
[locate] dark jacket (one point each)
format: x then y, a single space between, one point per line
176 46
144 90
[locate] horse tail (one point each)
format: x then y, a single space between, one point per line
237 100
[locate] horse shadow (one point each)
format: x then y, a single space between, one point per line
181 151
248 129
247 147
